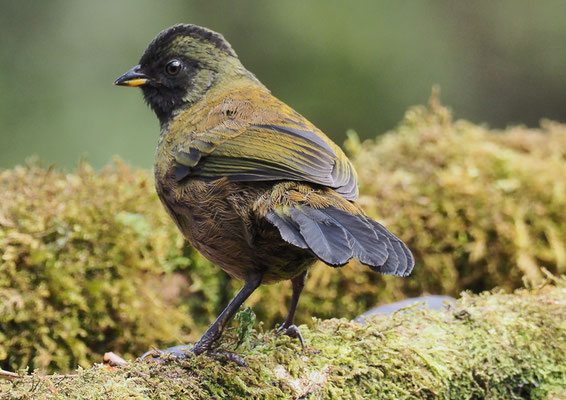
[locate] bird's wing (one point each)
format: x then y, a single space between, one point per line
241 143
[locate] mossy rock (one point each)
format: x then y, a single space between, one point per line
492 346
90 262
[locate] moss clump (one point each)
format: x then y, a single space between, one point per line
90 262
81 268
493 346
479 208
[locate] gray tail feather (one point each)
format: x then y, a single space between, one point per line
336 236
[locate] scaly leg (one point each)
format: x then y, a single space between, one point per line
288 326
216 329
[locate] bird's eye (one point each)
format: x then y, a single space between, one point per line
173 67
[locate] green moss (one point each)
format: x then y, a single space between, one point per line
90 262
81 267
480 208
492 346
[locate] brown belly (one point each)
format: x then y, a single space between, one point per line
218 219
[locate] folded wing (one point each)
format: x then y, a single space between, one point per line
249 146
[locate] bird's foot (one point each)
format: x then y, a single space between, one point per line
292 331
184 351
172 353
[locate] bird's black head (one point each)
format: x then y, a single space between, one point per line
179 66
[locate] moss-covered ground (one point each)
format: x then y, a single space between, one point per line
492 346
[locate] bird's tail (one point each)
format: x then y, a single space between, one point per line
336 236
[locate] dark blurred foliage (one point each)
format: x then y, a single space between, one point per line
356 64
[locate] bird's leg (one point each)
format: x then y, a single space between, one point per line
288 327
216 329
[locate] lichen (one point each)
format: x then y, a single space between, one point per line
491 346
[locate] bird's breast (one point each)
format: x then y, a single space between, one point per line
218 219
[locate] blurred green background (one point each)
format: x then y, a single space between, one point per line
356 64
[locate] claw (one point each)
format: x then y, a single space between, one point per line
292 331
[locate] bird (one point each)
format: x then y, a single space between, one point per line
250 183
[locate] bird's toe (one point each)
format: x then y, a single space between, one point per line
177 352
292 331
226 356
